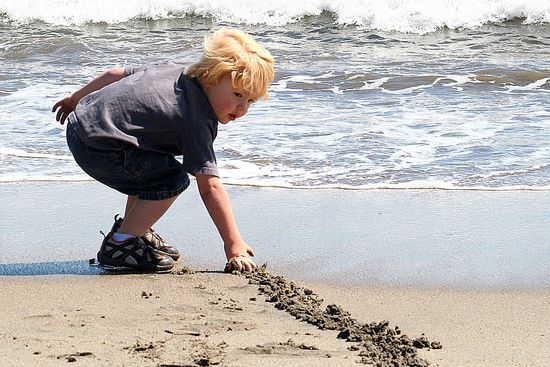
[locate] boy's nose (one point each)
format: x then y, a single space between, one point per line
242 108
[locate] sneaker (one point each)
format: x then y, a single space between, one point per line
155 241
152 239
132 253
117 224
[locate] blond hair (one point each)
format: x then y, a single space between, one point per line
233 52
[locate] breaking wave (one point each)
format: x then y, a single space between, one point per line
413 16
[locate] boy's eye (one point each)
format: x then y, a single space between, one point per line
240 95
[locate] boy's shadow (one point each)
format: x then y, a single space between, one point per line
78 267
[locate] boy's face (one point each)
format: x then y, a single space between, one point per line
227 102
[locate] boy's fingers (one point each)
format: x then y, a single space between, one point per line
59 115
249 265
233 264
58 104
252 265
240 263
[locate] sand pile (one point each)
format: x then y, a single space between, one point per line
378 344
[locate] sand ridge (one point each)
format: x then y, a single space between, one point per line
377 343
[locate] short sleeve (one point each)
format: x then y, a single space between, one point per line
129 70
198 150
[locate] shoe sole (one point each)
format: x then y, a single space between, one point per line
147 267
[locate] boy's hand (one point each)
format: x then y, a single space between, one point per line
238 257
66 106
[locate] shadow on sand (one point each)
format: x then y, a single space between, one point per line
78 267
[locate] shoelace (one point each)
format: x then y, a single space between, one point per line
156 235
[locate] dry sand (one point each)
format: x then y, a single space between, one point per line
209 318
183 319
154 320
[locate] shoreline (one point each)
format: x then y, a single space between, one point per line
419 239
387 187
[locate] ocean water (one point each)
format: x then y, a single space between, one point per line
397 94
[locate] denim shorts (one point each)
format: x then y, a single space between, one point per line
132 171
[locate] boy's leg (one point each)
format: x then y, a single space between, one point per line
130 203
151 237
134 252
142 214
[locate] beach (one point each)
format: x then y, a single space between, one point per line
483 310
395 187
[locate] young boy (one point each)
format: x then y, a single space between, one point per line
125 127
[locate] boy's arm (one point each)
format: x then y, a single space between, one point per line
68 104
217 203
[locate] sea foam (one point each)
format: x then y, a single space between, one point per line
415 16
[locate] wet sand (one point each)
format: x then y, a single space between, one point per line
456 239
491 307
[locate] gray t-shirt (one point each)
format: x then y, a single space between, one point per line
155 108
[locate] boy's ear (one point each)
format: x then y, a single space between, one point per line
204 80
